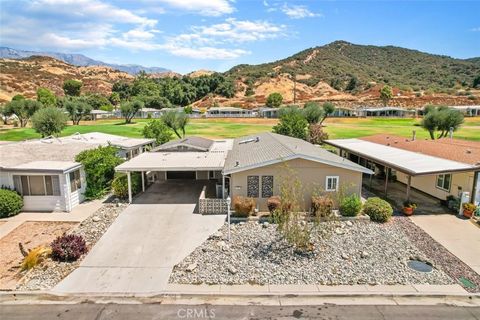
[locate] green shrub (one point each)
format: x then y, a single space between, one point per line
120 184
99 167
322 207
351 206
243 206
11 203
377 209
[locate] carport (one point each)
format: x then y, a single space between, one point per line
175 165
412 164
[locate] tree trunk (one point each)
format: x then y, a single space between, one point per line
432 135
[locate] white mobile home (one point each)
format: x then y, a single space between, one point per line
45 173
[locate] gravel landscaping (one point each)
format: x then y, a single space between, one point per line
49 273
448 262
345 253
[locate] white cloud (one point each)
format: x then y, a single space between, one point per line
213 8
89 9
475 29
215 53
298 12
220 41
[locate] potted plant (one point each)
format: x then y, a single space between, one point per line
409 207
468 209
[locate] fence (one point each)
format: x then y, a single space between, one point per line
211 205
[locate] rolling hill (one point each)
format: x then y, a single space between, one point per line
336 63
26 75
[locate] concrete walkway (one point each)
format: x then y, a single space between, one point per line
458 235
78 214
139 250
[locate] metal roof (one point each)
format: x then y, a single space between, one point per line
54 166
269 148
174 161
193 142
412 163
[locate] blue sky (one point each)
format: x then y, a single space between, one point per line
186 35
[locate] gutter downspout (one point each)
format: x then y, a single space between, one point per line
476 177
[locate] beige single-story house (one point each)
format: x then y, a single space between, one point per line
45 173
252 166
440 168
385 112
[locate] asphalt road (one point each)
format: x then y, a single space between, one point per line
162 311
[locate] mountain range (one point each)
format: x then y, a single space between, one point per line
78 60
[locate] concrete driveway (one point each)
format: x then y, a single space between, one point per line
138 251
456 234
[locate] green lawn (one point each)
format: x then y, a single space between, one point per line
231 128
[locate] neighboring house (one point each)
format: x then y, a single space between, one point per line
252 166
44 171
440 168
385 112
101 114
266 112
343 112
228 112
468 111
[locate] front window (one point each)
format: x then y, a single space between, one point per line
444 181
75 182
331 183
37 185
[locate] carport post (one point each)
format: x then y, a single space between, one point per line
129 187
386 179
143 181
223 186
409 181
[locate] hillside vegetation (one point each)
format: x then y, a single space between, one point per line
338 62
27 75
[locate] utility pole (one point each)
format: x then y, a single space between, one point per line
294 88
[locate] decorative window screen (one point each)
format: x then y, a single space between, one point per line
253 186
267 186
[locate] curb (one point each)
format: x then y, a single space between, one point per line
373 298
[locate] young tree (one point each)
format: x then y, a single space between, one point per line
49 121
72 87
46 97
386 94
129 109
77 109
23 109
156 129
442 119
177 121
274 100
18 97
316 135
328 109
292 123
312 112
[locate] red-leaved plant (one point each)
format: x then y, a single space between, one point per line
68 248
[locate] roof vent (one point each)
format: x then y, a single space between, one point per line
237 163
249 140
